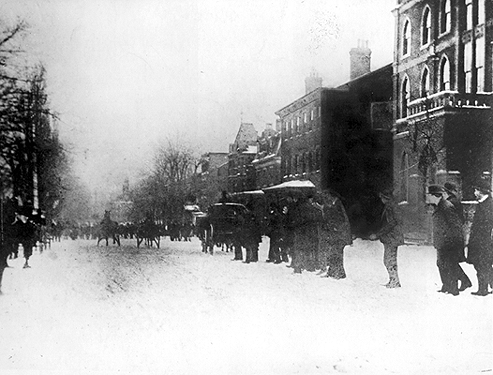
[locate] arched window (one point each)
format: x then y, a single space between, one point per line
445 17
444 74
469 15
481 12
425 83
406 38
426 27
405 97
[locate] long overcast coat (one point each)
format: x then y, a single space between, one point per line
447 231
480 247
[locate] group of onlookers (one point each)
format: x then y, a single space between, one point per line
311 229
451 240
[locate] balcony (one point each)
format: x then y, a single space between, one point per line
446 100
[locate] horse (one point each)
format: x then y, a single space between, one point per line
108 229
149 232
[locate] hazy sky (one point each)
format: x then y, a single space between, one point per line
125 74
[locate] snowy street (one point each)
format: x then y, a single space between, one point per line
83 309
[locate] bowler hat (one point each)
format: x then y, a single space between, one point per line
450 187
436 189
483 186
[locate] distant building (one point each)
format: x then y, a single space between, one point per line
443 97
212 177
241 172
267 162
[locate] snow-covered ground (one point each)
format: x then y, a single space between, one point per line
87 310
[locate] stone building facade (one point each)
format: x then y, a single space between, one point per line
443 97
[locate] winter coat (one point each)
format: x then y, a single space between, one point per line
276 227
447 230
390 232
250 235
335 228
303 220
460 212
480 247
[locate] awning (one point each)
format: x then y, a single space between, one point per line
248 192
295 184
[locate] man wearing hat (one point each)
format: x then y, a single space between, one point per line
453 197
447 238
480 246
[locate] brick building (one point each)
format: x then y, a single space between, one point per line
442 92
333 137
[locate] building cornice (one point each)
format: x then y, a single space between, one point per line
300 103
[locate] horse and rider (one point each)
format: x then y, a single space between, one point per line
149 232
108 229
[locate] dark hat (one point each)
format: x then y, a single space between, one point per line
450 187
436 189
483 186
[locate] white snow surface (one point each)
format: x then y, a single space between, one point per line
83 309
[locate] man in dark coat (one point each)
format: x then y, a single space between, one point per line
447 238
303 221
335 235
453 197
480 246
391 236
276 233
250 236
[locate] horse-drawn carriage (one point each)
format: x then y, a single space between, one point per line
220 225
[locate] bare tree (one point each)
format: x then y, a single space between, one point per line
427 143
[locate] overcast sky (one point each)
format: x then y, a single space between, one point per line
125 74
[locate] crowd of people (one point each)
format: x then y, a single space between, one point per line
310 231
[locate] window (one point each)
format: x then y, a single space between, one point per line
297 124
425 83
404 177
480 64
317 158
292 127
305 117
444 74
312 114
406 38
405 97
469 15
468 66
445 17
481 12
426 27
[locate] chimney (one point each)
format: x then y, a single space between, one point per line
360 58
312 82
